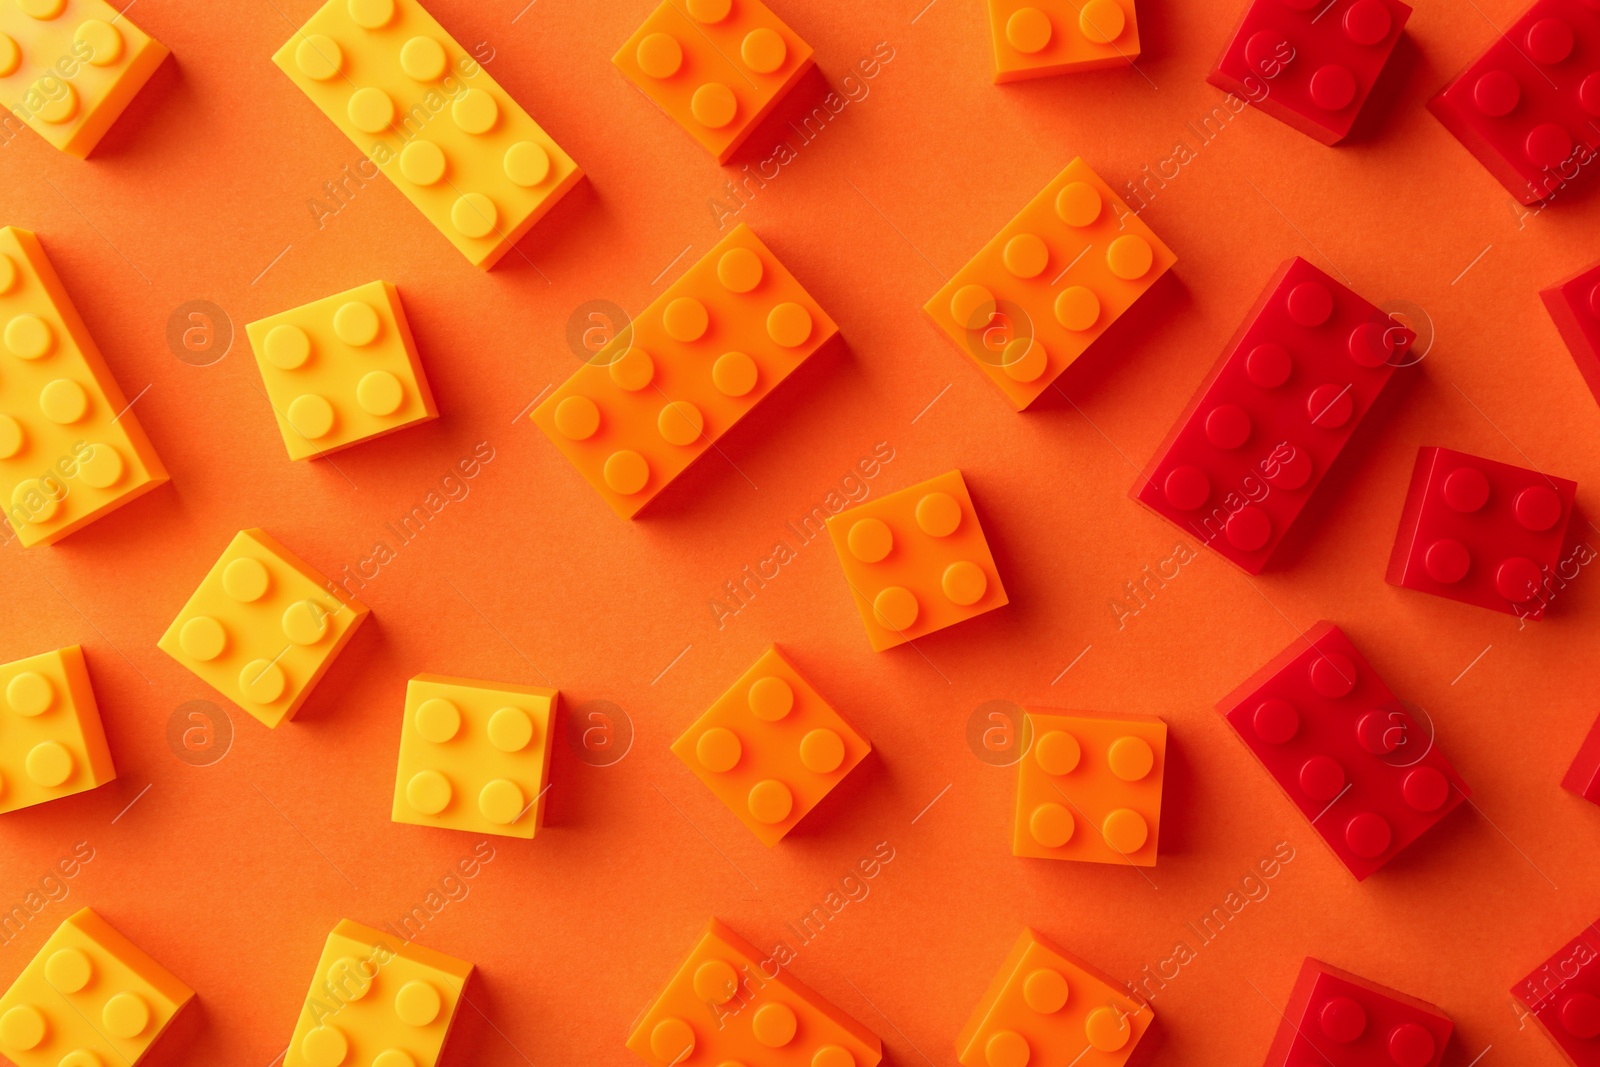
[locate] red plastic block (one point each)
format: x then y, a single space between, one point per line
1574 304
1335 1019
1564 996
1316 61
1342 747
1583 777
1481 532
1273 415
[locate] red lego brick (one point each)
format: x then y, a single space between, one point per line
1564 996
1574 304
1315 61
1481 532
1274 413
1583 777
1335 1019
1344 749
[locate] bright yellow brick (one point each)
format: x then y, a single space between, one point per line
51 741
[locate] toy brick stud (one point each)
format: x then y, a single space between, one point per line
54 744
1037 38
1337 1019
1574 304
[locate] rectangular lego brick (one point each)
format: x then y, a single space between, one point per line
54 743
1583 777
432 119
1365 770
1052 281
1262 429
1563 996
1038 38
1338 1019
263 627
71 448
690 366
1574 304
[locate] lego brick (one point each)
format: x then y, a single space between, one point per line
52 743
717 67
69 68
1052 281
1583 777
1574 304
90 997
691 365
1046 1006
432 119
71 448
1563 995
1337 1019
342 370
730 1004
262 628
771 747
474 756
1481 532
1038 38
916 561
1262 429
1089 787
1346 752
379 1000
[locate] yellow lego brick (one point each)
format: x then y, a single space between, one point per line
1037 38
71 450
342 370
52 743
262 628
377 1001
90 998
432 119
474 755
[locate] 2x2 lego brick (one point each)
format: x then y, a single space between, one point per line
1338 1019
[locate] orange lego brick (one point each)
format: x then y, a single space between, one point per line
1037 38
1089 787
52 743
692 364
916 561
771 747
1053 280
718 67
730 1004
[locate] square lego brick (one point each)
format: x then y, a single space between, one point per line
1052 281
342 370
71 448
432 119
1089 787
1037 38
1574 304
1363 768
916 561
1336 1019
90 997
1563 994
262 628
730 1003
1583 777
771 747
474 756
376 999
689 367
717 67
1046 1006
1481 532
52 743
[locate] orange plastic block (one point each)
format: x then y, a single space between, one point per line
916 561
1089 787
71 449
771 747
90 998
730 1004
52 743
1036 38
1046 1006
718 67
1056 278
691 365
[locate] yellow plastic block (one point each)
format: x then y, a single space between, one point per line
1037 38
433 120
90 998
691 365
262 628
377 1001
474 756
1059 274
52 743
71 449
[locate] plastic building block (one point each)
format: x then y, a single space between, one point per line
1563 994
1089 787
1292 385
1583 777
1053 280
1037 38
1574 304
1342 747
432 119
1046 1006
692 364
90 997
71 448
262 628
52 743
377 1000
730 1004
771 747
717 67
1481 532
916 561
1336 1019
